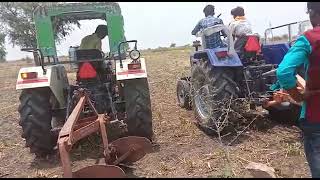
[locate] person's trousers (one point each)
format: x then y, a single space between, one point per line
311 140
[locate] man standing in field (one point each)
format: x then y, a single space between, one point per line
93 41
306 51
214 40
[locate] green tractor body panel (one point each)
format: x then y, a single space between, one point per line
45 36
45 17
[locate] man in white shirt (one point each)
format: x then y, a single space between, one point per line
240 27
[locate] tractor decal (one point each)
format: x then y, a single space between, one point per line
137 71
27 81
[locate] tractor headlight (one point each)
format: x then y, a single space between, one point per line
134 54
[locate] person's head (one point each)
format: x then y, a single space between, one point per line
238 11
208 10
102 31
314 13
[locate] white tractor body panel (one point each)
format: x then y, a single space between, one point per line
41 81
55 78
124 73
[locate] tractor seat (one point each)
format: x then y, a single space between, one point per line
88 54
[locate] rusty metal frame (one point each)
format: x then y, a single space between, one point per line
75 129
128 149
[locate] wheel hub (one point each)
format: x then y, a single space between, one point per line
202 104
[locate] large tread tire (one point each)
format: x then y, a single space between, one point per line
221 80
138 108
183 94
35 120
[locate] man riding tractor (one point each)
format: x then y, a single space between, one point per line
213 40
240 28
93 41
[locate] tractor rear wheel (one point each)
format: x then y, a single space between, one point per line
211 85
138 108
35 119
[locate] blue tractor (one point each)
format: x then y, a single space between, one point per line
223 73
273 52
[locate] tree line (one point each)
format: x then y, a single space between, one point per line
16 25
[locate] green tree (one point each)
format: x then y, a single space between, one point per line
17 18
3 52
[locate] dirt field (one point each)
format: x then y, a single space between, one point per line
183 150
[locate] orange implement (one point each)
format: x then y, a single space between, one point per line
126 149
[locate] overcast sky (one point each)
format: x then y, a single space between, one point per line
156 24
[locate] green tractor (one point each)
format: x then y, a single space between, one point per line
116 82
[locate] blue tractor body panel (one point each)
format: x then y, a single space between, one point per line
230 61
274 53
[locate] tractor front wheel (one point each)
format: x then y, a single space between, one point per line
35 120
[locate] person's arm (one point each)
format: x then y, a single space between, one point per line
196 29
286 72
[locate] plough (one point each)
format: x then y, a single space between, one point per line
81 124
